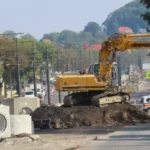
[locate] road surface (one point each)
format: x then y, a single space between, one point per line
129 138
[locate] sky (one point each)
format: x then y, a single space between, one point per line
38 17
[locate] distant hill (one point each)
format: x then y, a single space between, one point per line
128 16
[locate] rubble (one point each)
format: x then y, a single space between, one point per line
81 116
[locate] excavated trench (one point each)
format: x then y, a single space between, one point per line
82 116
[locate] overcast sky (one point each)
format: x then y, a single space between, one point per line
38 17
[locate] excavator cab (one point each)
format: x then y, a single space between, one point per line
93 69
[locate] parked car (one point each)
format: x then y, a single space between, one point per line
40 92
29 94
145 102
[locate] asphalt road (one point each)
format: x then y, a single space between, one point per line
129 138
144 89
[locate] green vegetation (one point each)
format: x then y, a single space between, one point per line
146 16
91 34
25 48
129 15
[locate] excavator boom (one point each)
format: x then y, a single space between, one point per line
115 43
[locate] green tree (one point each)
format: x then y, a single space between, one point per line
92 27
69 36
146 3
29 37
129 15
52 36
85 37
10 33
146 16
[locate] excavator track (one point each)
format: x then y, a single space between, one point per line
76 99
106 99
94 98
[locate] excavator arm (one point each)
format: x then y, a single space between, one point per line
115 43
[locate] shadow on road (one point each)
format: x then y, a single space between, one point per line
85 131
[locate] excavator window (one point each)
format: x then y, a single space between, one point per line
90 70
93 69
96 68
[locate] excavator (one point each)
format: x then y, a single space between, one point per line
100 86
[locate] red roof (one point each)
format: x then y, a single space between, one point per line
47 41
125 30
92 46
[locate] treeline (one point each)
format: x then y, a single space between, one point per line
127 16
91 34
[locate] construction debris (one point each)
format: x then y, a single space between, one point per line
81 116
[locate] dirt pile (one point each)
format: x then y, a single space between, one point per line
79 116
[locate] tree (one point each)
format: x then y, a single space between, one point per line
92 27
10 33
28 37
52 36
128 16
146 3
146 16
85 37
68 36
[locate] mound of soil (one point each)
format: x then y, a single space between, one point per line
79 116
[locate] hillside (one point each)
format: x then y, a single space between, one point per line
126 16
129 15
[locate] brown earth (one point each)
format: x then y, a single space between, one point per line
81 116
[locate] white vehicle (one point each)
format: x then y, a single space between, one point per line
145 101
40 92
29 94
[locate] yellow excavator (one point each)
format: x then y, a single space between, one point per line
100 86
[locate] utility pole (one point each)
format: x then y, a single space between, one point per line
67 65
47 74
10 83
84 59
34 69
59 92
89 58
71 63
57 61
80 59
75 64
95 56
119 73
18 69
